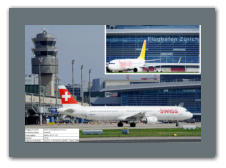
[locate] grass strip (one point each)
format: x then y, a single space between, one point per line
146 132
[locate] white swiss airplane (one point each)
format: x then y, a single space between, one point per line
121 114
137 64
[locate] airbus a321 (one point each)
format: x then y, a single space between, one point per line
121 114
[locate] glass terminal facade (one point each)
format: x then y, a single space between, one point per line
189 97
165 44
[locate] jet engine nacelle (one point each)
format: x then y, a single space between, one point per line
138 69
151 120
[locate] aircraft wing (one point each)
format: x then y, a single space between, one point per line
65 110
146 65
69 110
137 116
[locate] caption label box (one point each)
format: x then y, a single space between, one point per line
51 135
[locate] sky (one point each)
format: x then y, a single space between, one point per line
84 43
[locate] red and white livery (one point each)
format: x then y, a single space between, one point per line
121 114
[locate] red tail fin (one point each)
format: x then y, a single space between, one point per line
65 95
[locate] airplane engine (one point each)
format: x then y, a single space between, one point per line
138 69
150 120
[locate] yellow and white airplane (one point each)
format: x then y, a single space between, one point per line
137 65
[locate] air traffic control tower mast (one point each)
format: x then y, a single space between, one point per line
45 59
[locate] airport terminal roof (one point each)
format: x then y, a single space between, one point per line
153 31
165 85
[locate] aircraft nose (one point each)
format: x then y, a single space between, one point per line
190 115
109 66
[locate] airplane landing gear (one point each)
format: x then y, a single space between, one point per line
133 124
120 124
177 124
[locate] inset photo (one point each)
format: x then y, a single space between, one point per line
148 49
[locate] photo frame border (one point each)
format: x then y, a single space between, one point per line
19 17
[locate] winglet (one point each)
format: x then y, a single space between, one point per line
142 53
181 104
179 60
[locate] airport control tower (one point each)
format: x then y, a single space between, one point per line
45 60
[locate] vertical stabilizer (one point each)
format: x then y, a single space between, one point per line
65 95
142 53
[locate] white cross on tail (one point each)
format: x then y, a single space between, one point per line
66 96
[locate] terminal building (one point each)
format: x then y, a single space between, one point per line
167 90
165 44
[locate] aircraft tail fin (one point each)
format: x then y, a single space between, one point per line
66 96
142 53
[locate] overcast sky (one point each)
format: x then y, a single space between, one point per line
84 43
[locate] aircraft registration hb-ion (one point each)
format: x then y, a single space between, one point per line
121 114
137 64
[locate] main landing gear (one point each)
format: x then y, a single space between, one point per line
132 124
135 70
177 124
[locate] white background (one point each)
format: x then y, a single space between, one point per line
218 161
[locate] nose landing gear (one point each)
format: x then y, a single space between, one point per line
132 124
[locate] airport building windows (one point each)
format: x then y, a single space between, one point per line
126 46
164 97
39 44
45 53
179 78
